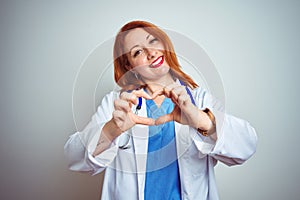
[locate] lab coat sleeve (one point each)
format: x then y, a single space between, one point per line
81 145
236 138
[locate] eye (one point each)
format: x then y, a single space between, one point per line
153 41
137 52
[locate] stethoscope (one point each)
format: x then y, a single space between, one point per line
139 106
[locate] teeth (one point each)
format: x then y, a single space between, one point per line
156 62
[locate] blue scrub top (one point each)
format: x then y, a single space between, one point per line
162 176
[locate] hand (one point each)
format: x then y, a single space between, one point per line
185 112
123 117
122 120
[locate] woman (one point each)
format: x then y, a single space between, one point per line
162 135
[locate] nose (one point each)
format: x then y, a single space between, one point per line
151 53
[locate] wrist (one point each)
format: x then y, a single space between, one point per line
208 123
111 130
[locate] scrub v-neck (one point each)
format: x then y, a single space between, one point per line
162 176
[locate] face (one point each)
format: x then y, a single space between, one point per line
146 55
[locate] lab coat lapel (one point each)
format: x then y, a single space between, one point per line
182 139
140 145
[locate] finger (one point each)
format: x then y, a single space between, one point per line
143 120
179 90
164 119
167 90
158 93
121 104
172 86
118 115
141 93
130 97
183 99
163 91
170 89
173 95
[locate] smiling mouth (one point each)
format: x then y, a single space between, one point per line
158 62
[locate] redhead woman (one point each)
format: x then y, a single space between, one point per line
161 135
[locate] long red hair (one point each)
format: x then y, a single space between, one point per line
128 80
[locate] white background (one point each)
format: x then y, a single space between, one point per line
254 46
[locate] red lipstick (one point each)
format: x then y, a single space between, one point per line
157 62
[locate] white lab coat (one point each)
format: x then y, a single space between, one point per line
197 155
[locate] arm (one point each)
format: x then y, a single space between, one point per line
109 132
80 146
122 119
94 148
234 140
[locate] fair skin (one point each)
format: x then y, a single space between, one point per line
146 58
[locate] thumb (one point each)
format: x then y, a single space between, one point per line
143 120
164 119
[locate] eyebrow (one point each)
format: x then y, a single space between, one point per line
137 44
147 37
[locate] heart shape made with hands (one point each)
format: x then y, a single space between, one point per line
179 97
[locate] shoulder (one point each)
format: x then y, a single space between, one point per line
108 99
199 92
198 95
204 99
112 95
